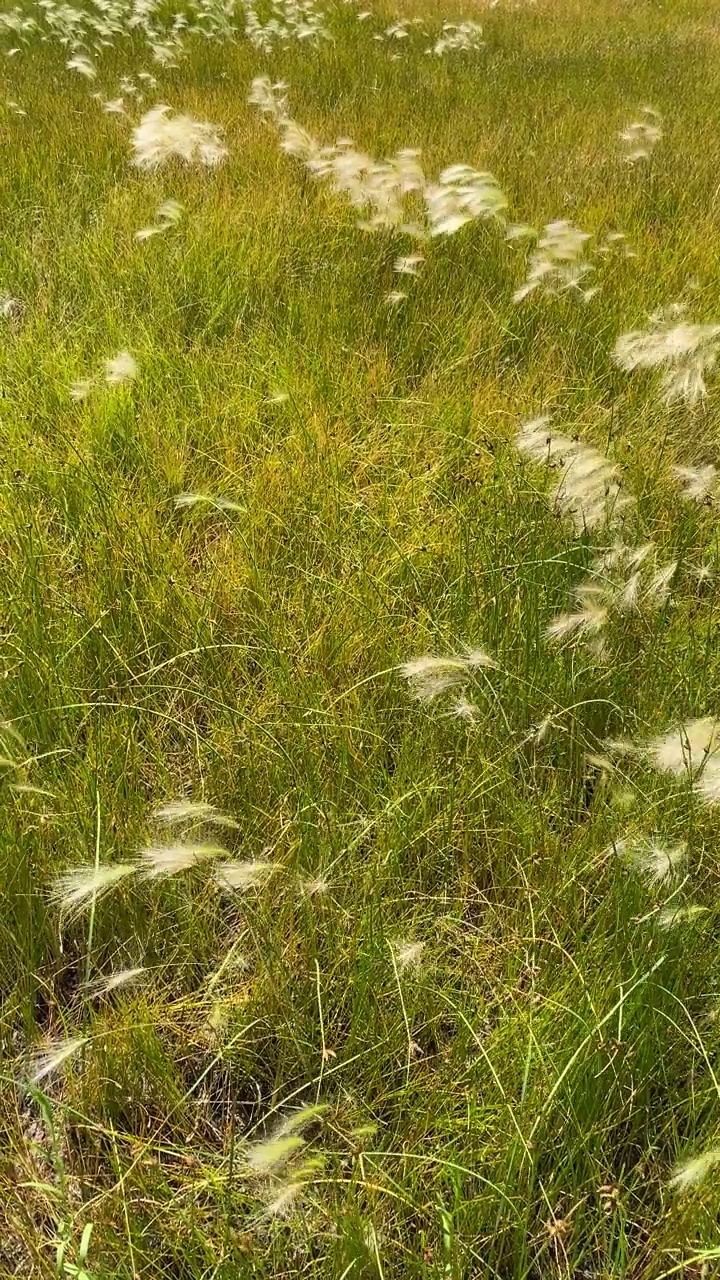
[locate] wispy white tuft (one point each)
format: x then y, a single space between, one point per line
707 784
672 916
180 811
686 353
588 620
692 1172
408 955
240 876
697 484
82 64
11 308
460 196
120 369
685 750
465 709
168 215
653 858
160 138
171 860
463 36
558 265
185 500
641 137
105 984
431 676
274 1152
394 193
588 490
288 20
80 390
48 1060
79 888
409 264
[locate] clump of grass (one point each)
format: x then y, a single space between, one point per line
427 989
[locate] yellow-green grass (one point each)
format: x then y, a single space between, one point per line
514 1105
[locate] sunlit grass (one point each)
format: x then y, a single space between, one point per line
359 908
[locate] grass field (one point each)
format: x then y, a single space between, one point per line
418 974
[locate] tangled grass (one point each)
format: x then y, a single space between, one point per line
360 672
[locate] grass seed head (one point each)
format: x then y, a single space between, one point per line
47 1061
691 1173
79 888
160 137
120 369
240 876
170 860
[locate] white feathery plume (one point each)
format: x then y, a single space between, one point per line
296 141
623 579
657 591
465 709
430 676
168 215
289 20
685 750
240 876
82 64
558 264
80 390
180 811
285 1198
588 621
588 490
653 859
630 578
477 658
185 500
671 916
690 1173
462 195
642 136
105 984
269 98
409 264
171 860
686 353
458 36
390 193
11 308
395 297
46 1061
273 1152
80 887
697 483
160 137
408 955
707 784
120 369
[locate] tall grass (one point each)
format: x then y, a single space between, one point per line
283 1081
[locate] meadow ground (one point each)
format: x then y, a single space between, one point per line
431 990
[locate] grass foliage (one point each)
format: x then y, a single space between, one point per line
432 1025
